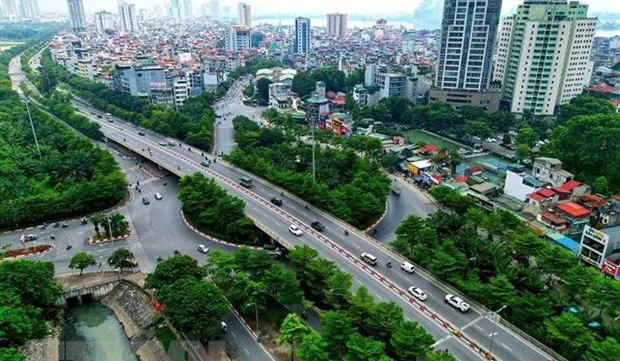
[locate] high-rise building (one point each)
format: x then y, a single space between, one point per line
29 9
337 25
175 9
245 15
238 39
10 9
302 35
129 18
215 9
188 10
543 56
463 76
104 21
76 15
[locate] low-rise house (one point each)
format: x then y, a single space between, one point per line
549 170
577 216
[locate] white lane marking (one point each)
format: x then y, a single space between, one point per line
246 351
379 297
492 334
233 334
508 348
479 327
360 282
356 245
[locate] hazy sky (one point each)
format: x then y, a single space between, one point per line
304 6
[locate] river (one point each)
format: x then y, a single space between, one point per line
92 333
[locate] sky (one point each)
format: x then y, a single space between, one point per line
305 7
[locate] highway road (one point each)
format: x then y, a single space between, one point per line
385 283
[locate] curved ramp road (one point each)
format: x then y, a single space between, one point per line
387 284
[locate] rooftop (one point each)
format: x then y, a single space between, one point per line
573 209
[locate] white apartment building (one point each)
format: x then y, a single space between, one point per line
337 25
104 21
238 39
76 15
543 55
302 36
129 18
245 14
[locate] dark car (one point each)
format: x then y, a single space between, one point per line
145 200
99 116
318 226
276 201
141 133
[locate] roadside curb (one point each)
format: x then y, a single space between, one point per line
92 241
385 212
216 240
31 254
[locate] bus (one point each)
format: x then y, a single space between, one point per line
246 182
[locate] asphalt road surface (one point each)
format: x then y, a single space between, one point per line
385 283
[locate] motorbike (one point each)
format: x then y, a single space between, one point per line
346 233
52 236
68 247
159 259
389 265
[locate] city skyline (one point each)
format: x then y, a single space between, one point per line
264 7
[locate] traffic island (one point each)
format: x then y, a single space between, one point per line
26 252
95 240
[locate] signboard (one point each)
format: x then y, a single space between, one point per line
611 268
596 235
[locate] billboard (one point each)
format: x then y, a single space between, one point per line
611 268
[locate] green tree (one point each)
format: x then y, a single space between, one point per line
33 281
584 105
362 305
118 224
118 258
523 151
601 186
530 311
362 348
568 334
312 348
498 292
262 87
15 327
172 269
248 91
390 161
410 341
11 354
448 261
607 350
97 220
384 319
82 260
337 328
194 306
292 331
439 356
506 139
47 83
604 294
338 291
526 135
303 84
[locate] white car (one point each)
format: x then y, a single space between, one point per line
418 293
457 303
158 196
294 230
203 249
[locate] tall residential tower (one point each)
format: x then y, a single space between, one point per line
129 18
76 15
302 36
337 25
463 76
543 56
245 15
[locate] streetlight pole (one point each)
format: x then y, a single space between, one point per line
493 331
110 229
34 133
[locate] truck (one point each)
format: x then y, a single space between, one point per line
246 182
396 189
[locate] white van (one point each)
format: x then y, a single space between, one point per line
369 258
407 267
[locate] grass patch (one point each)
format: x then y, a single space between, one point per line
165 336
415 136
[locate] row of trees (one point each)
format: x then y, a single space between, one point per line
209 208
69 177
120 258
495 260
59 105
27 290
335 80
354 326
190 303
192 123
347 185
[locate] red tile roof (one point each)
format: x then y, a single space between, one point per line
338 101
602 88
535 196
570 185
561 190
573 209
616 197
545 192
429 148
553 218
461 179
593 201
476 170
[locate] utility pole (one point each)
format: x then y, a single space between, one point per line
110 229
313 152
34 133
490 354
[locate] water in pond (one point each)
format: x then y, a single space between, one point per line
92 333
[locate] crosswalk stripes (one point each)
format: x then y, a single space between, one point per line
136 248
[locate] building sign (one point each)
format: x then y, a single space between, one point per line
611 268
596 235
